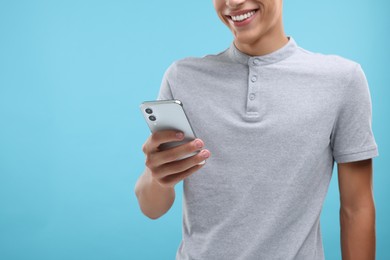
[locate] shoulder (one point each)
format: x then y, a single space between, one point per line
192 65
328 65
344 77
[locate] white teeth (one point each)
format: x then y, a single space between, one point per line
242 17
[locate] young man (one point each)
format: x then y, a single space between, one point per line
274 118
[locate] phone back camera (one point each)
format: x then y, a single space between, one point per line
149 110
152 118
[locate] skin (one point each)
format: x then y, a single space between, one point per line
357 210
263 35
162 165
155 187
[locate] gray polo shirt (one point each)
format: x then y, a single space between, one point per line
274 124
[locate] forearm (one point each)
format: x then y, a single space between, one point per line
154 199
358 233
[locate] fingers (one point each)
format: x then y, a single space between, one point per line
160 137
177 152
167 167
173 179
182 165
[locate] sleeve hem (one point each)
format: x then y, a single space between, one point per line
357 156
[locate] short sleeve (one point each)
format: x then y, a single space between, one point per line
352 138
165 91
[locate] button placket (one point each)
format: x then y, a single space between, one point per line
253 86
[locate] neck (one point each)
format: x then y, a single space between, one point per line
268 43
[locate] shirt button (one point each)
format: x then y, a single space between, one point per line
254 78
252 96
256 62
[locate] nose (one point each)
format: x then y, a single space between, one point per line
234 3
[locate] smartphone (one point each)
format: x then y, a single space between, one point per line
168 115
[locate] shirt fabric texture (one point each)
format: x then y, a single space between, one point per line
275 125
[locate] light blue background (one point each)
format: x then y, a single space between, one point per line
72 74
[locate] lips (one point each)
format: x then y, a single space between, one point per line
242 17
235 13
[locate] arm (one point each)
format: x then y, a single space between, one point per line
155 188
154 199
357 210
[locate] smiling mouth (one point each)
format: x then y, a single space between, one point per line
242 17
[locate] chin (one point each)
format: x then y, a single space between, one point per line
247 37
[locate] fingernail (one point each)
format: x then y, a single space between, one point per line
205 154
202 162
198 144
179 135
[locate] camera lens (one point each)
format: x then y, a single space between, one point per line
149 110
152 118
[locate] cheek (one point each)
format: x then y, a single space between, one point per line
219 6
271 14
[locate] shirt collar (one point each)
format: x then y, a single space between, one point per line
280 54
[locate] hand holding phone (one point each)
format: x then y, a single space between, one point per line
168 115
169 157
